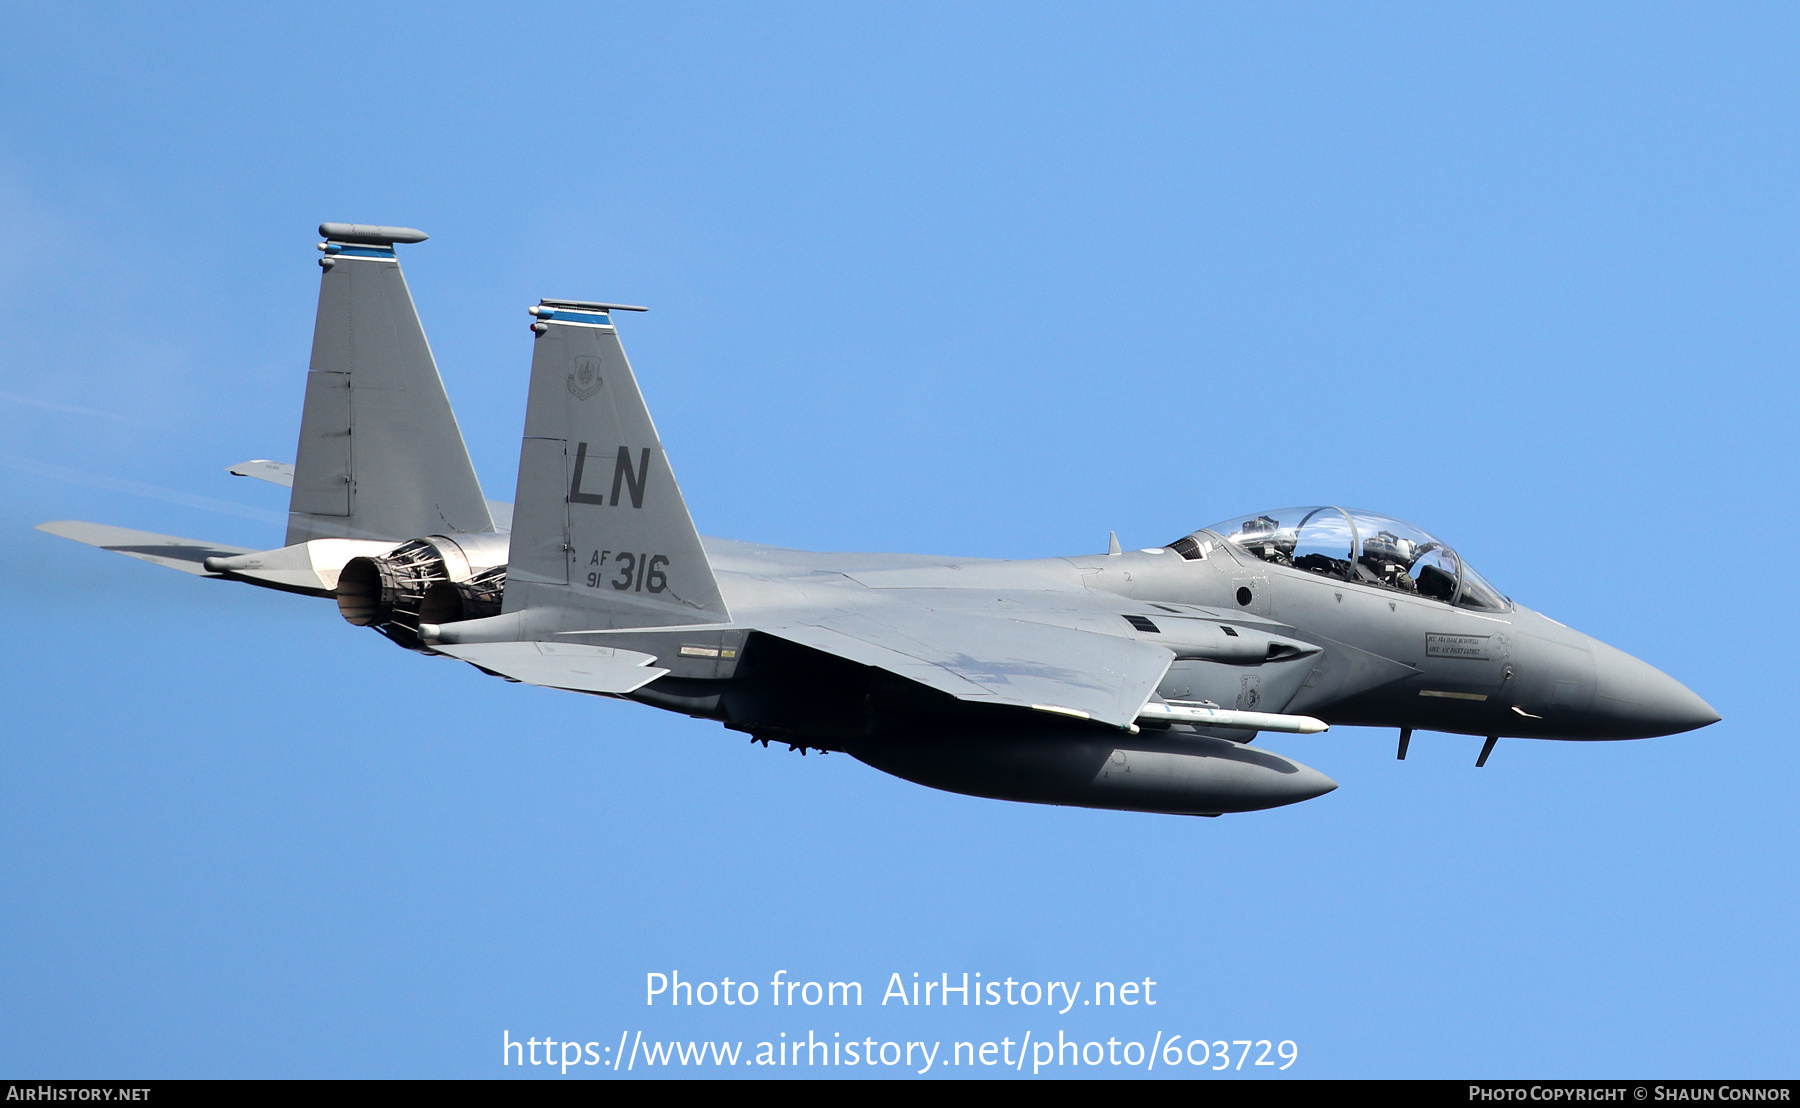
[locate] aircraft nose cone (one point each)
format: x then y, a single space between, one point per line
1635 700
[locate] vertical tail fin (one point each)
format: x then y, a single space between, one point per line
599 523
380 455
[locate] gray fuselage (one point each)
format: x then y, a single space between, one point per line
1388 659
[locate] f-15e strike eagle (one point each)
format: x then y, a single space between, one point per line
1128 680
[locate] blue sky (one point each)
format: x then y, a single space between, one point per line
985 281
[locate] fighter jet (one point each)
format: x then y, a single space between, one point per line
1130 680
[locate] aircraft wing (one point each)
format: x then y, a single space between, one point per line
186 555
995 659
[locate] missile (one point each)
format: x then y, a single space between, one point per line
1208 715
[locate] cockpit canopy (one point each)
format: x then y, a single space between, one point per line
1358 546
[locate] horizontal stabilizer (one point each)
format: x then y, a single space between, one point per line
995 660
309 567
275 473
591 669
186 555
